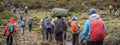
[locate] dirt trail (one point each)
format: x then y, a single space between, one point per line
31 38
28 38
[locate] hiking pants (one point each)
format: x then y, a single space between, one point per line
94 43
43 33
110 11
21 18
9 40
30 27
65 36
48 33
22 30
75 39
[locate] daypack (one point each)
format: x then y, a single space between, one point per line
74 26
11 28
22 24
60 25
21 14
97 32
26 10
30 21
40 27
48 25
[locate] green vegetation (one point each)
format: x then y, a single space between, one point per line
5 16
72 5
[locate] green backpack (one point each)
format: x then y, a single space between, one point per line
11 28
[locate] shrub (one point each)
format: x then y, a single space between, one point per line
3 22
1 8
6 15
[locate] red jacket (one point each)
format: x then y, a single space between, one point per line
6 33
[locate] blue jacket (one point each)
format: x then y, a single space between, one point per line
86 30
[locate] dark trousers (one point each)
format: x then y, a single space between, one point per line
30 27
110 11
9 40
48 33
65 36
75 38
21 18
43 33
95 43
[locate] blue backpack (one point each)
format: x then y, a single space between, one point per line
21 14
48 24
11 28
22 24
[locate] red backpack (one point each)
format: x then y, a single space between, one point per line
97 32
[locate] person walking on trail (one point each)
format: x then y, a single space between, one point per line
53 23
75 27
65 29
9 31
44 27
22 25
60 25
26 10
14 10
110 9
115 11
41 28
95 28
21 15
48 29
30 22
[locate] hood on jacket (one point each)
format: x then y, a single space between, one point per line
11 21
94 16
92 11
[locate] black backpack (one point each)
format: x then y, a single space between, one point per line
60 25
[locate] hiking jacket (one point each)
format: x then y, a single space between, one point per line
6 33
86 30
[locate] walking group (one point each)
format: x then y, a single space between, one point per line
94 29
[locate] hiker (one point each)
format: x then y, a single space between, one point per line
53 23
115 11
48 29
30 22
65 29
44 27
95 28
26 10
14 10
110 9
9 31
22 25
21 15
60 25
41 28
75 28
